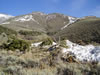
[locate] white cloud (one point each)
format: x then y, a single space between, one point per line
77 4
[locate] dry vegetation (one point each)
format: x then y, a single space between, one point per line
39 61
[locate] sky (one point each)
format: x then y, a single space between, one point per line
76 8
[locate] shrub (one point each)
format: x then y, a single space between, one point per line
51 33
63 44
30 33
17 44
48 41
80 42
13 70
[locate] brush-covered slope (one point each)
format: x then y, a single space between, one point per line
7 31
87 30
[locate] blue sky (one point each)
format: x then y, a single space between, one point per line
76 8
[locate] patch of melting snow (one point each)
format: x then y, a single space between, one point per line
54 43
26 18
36 44
71 20
83 53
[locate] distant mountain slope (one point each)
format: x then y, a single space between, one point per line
87 30
56 21
38 21
4 17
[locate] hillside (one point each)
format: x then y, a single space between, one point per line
87 30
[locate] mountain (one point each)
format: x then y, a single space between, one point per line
4 17
86 29
47 24
37 21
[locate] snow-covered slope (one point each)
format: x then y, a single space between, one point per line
83 53
26 18
71 20
4 17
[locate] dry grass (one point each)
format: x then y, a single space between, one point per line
41 62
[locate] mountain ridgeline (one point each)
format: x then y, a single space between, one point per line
38 26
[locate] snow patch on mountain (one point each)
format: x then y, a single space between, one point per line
26 18
5 16
71 20
83 53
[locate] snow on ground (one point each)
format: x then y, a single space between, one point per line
26 18
83 53
71 20
36 44
54 43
